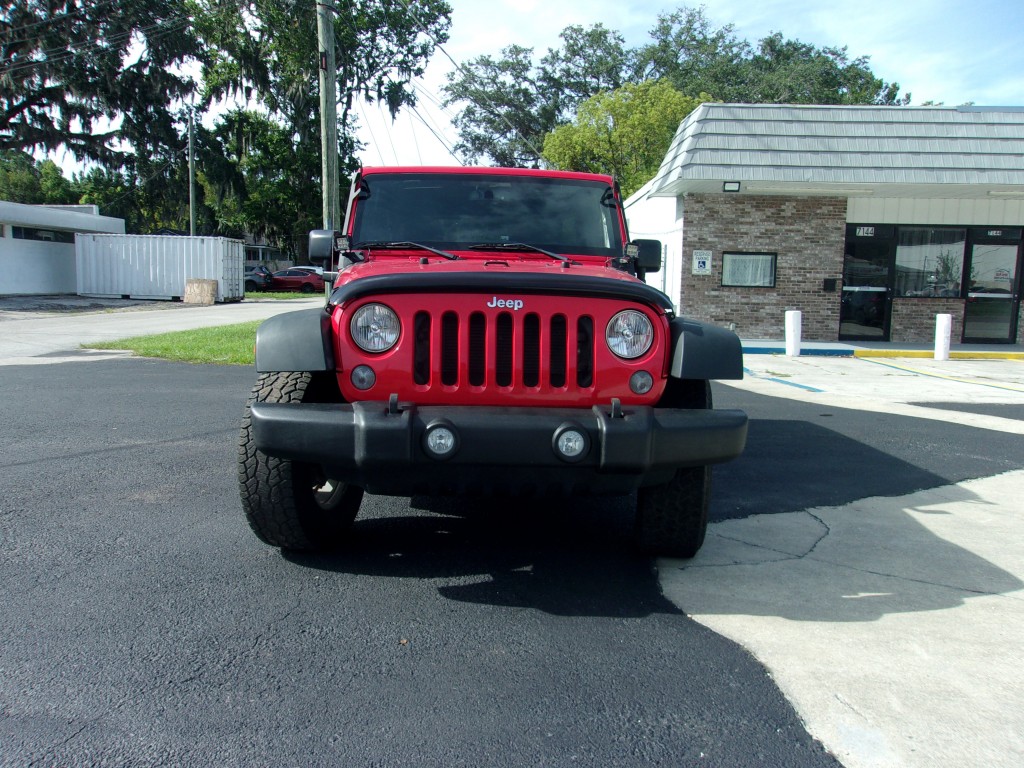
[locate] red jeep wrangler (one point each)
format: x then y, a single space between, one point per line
489 332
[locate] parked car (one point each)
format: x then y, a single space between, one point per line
257 278
318 270
295 279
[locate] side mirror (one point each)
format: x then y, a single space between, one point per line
648 255
321 247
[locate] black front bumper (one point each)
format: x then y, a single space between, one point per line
499 450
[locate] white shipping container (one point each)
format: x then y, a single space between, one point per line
157 266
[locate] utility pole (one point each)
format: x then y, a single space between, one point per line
191 179
328 115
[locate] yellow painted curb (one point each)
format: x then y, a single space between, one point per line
930 354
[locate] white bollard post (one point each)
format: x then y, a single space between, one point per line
943 328
793 328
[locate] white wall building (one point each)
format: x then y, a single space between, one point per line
37 245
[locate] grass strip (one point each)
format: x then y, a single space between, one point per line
283 295
221 345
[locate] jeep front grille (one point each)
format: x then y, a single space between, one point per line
510 350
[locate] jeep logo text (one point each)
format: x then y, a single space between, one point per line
513 304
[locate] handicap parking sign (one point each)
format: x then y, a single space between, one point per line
701 264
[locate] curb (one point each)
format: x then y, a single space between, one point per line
812 352
840 351
953 355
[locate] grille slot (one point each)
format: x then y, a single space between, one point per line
421 348
503 348
477 349
449 348
531 350
510 350
559 347
585 352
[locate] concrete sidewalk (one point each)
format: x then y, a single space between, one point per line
47 332
899 387
895 626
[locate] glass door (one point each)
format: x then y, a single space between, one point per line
993 293
865 310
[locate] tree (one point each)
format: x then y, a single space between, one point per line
56 189
92 78
108 84
507 105
260 167
19 178
266 51
36 182
625 132
510 104
249 184
697 58
113 192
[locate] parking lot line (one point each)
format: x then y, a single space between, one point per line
940 375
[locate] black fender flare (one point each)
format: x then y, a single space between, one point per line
704 351
295 341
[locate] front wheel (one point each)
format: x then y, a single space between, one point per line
672 519
290 504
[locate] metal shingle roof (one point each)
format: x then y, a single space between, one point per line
819 146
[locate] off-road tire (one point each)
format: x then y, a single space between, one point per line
288 504
672 519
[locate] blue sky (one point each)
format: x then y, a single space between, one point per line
949 51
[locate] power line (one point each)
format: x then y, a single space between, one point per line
52 19
414 140
360 106
391 140
56 55
488 105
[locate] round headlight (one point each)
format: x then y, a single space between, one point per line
375 328
629 334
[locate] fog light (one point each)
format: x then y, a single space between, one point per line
641 382
571 442
440 441
363 377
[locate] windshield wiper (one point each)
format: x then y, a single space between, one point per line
403 244
516 247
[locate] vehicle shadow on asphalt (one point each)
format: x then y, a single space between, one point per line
575 557
855 563
569 557
801 455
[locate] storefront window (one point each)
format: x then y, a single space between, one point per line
930 262
748 269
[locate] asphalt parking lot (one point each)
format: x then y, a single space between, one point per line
892 619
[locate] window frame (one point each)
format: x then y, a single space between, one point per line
773 255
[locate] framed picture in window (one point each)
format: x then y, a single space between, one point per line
748 270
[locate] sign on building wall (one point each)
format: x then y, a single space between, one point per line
701 264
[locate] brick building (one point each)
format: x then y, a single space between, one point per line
870 220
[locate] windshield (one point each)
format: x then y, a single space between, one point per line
458 211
